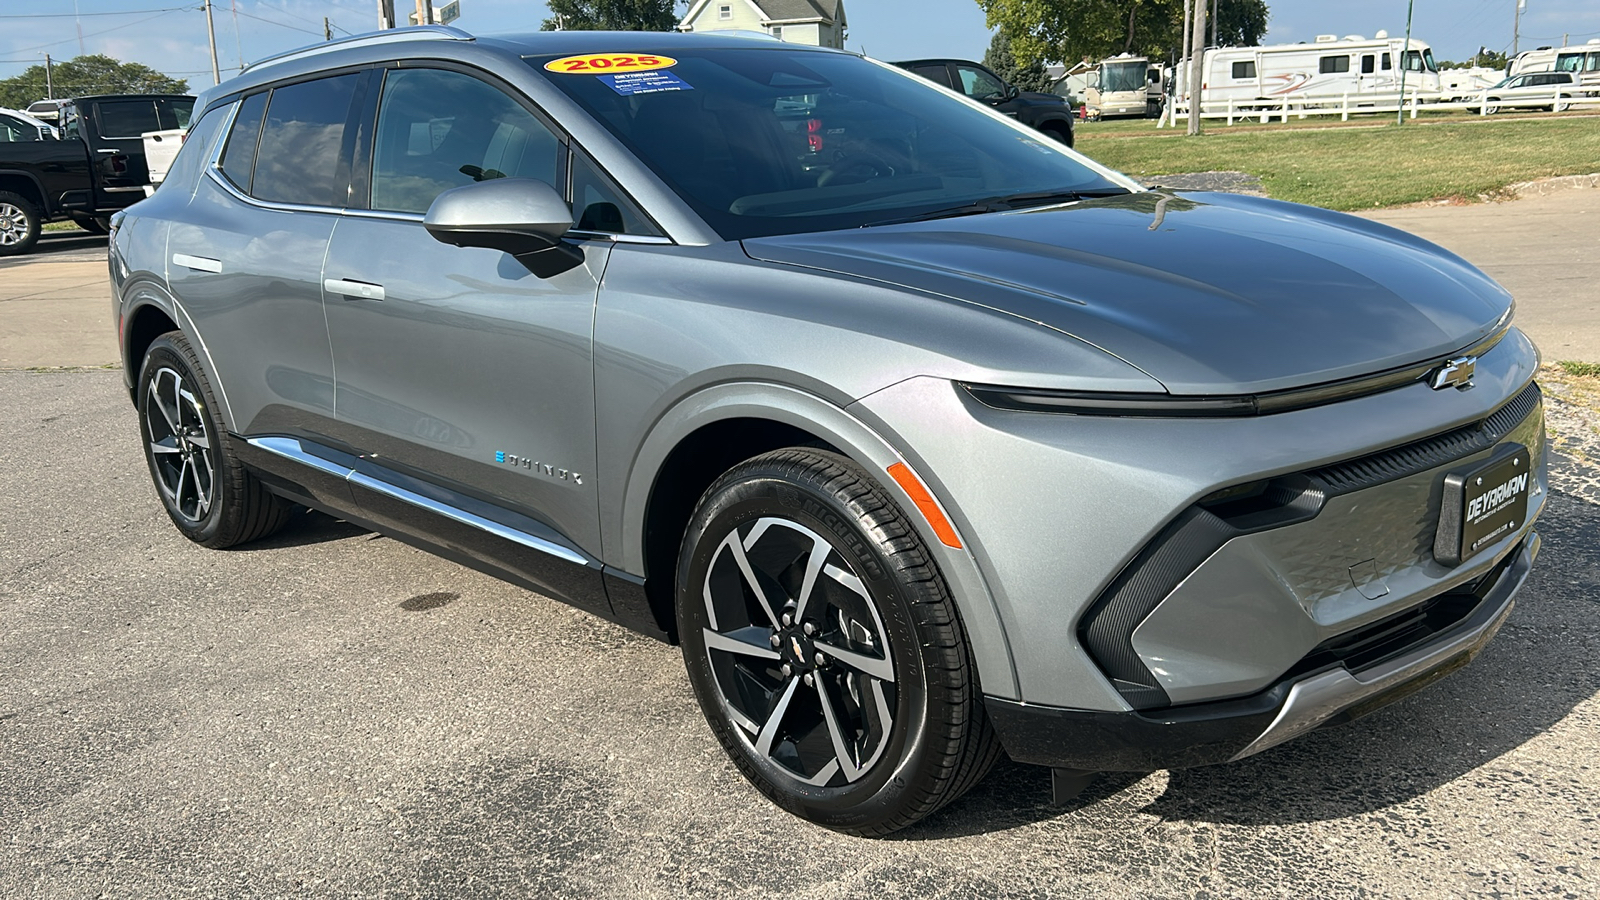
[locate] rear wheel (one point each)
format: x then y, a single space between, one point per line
19 224
1490 109
92 224
211 498
824 646
1562 104
1058 131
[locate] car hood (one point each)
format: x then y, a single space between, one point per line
1206 293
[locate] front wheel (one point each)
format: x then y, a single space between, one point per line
210 496
1562 105
825 648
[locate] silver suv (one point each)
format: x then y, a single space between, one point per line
922 434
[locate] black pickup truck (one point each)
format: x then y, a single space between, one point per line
97 168
1046 112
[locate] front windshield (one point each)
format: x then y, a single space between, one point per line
764 141
1118 77
1416 62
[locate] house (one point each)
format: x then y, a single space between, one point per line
817 22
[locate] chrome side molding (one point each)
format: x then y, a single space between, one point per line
291 449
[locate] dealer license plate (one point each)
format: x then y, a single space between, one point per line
1483 505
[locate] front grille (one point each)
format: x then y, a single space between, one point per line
1429 453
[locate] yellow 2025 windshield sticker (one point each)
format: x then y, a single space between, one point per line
608 63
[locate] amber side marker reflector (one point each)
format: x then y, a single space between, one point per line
903 476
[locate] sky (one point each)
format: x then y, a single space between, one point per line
170 35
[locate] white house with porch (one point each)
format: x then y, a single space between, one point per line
820 23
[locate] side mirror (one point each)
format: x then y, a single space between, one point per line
524 217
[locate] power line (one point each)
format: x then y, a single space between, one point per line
125 12
281 25
106 31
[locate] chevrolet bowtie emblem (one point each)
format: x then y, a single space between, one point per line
1456 373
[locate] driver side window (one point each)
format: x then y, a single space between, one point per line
979 84
439 129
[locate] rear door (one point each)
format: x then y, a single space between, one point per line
116 136
245 255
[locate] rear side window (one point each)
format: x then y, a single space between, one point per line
438 130
936 74
196 148
1244 70
240 156
301 157
1330 65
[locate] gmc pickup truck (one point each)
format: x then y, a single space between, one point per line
97 168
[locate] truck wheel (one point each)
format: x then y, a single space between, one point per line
92 224
825 648
19 225
1058 131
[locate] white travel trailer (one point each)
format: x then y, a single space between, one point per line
1322 71
1582 61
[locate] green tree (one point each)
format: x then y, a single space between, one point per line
999 59
1062 30
85 75
1489 59
612 15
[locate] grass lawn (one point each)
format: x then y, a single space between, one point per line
1362 165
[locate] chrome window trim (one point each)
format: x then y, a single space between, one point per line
223 182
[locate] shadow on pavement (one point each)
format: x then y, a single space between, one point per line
1530 678
306 528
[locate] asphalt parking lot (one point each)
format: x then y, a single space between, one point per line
332 713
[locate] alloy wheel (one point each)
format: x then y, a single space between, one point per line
798 653
13 225
180 445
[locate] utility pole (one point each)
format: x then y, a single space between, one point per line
327 30
385 14
1516 28
211 32
1405 65
424 12
1182 68
1214 20
49 79
1197 56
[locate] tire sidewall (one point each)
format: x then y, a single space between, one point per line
172 351
35 224
733 504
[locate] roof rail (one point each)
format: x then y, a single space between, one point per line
411 33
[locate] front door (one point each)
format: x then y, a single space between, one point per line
456 367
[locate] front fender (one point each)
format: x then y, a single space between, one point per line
853 438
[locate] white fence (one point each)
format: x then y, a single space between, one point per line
1301 106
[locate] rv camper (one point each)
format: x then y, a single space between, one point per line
1127 86
1582 61
1323 71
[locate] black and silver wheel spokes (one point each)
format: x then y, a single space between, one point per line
799 652
180 445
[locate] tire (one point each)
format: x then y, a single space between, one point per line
19 224
1562 105
1059 132
891 725
92 224
1491 109
212 499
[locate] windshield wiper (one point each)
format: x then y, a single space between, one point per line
1002 204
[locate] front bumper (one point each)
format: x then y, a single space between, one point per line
1208 733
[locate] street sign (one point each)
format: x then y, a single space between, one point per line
442 15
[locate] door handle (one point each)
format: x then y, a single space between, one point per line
355 290
108 150
198 263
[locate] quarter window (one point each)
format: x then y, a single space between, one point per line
599 206
438 130
1332 65
301 157
1244 69
239 158
197 145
